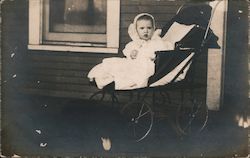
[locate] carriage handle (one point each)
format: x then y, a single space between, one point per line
209 23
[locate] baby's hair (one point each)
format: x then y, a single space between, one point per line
145 17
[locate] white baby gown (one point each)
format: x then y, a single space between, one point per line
130 73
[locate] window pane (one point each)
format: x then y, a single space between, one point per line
78 16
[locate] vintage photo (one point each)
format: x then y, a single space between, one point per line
125 78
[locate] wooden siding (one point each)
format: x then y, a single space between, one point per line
61 74
161 10
237 53
249 53
1 105
64 74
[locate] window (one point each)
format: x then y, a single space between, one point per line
74 25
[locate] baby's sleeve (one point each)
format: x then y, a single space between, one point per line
161 44
128 49
165 45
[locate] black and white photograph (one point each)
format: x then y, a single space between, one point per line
125 78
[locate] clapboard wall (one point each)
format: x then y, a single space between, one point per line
64 74
248 50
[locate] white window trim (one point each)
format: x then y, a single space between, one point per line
36 30
74 37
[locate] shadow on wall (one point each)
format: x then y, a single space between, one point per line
236 61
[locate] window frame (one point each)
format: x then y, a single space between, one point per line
36 12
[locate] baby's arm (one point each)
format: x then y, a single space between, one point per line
157 32
160 43
130 50
133 54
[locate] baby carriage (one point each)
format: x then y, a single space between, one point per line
174 70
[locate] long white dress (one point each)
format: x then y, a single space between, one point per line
130 73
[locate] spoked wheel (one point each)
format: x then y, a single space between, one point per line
191 119
104 96
98 96
139 119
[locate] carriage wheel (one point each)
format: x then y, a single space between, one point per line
104 96
139 119
98 96
191 119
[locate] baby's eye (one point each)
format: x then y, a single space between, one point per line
141 28
149 28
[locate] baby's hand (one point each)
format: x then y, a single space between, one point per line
133 54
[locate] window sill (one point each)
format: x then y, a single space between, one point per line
73 49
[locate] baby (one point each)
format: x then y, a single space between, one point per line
143 35
145 30
134 70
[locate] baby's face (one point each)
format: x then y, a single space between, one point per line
145 29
